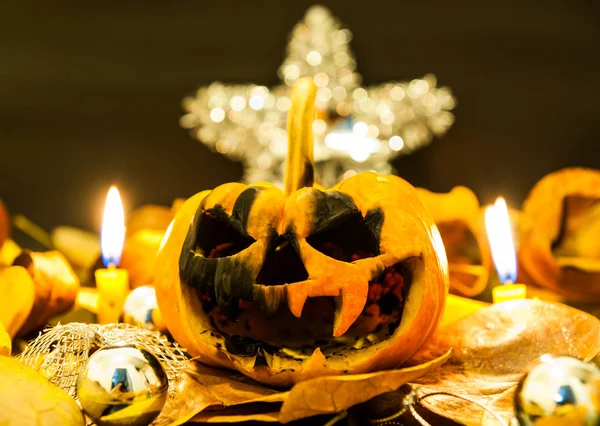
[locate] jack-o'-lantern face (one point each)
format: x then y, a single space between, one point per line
288 286
354 277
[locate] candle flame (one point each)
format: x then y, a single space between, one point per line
497 223
112 236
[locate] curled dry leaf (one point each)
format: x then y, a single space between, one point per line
326 395
56 286
17 295
245 413
201 388
27 398
494 347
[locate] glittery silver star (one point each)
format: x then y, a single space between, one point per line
357 128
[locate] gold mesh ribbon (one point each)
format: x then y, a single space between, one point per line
60 353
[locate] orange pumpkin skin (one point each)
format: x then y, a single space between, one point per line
407 236
545 210
460 221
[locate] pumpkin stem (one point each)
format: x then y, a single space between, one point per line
299 166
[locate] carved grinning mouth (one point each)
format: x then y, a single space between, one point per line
251 311
286 335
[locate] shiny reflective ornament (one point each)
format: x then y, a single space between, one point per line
65 350
559 391
357 129
139 307
122 385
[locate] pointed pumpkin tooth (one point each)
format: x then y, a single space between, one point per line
349 307
297 294
316 362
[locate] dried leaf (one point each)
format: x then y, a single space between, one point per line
203 387
332 394
239 414
494 347
27 398
56 286
17 295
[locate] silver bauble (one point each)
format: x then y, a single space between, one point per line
122 385
139 306
559 390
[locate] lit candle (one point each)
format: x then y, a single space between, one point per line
497 223
112 282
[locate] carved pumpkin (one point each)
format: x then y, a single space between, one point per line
284 286
560 248
459 218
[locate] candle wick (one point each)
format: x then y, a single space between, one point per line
508 282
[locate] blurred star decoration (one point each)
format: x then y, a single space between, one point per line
357 128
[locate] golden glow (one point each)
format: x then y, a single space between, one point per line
356 144
497 223
396 143
415 111
313 58
237 103
217 114
256 102
112 237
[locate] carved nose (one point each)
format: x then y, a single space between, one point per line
282 264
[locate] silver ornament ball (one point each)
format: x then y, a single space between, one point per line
122 385
139 307
559 390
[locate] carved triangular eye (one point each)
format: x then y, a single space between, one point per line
219 235
348 240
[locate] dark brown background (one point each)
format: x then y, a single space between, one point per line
90 91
